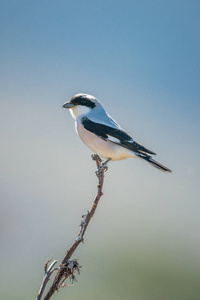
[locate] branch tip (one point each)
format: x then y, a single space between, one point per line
51 266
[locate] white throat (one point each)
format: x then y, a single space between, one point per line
79 110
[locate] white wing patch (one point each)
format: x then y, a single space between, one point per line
113 139
116 140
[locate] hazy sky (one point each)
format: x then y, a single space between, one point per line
141 59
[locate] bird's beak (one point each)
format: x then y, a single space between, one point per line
68 105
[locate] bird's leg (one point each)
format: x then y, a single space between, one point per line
94 156
103 167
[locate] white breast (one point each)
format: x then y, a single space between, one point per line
103 148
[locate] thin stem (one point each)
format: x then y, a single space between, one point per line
68 267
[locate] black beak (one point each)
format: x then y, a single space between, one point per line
68 105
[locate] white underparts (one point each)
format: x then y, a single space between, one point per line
104 148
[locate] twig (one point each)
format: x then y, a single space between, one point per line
67 267
46 278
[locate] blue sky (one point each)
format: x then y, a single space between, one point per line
141 60
154 44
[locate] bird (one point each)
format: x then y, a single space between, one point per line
103 135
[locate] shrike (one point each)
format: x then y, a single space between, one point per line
103 135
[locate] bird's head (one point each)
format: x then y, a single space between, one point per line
81 104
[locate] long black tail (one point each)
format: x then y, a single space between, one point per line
154 163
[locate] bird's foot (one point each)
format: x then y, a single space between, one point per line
96 156
102 168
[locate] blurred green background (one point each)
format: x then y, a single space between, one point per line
141 60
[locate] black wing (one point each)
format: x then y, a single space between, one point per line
114 135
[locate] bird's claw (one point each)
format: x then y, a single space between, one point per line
94 156
105 169
100 170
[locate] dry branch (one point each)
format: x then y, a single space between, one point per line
68 267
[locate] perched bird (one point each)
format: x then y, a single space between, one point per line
103 135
